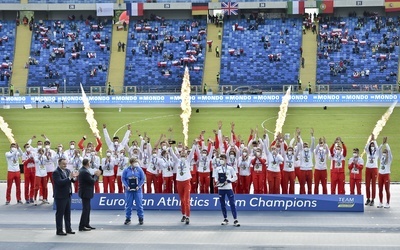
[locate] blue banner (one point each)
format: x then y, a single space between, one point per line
244 202
200 99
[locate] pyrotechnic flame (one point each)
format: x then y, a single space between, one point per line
282 112
7 131
185 105
89 114
380 124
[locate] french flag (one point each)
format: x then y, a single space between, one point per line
134 9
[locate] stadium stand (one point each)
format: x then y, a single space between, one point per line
163 48
71 1
173 1
77 51
266 55
7 44
358 50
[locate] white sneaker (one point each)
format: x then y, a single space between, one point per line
387 205
236 223
380 205
225 222
45 201
40 198
35 203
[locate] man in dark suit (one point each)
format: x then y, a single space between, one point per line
63 178
86 189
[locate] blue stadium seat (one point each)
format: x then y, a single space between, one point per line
65 64
7 48
382 63
254 63
155 69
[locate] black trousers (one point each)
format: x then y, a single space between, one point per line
85 216
63 210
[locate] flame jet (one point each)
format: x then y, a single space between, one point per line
280 121
185 105
89 114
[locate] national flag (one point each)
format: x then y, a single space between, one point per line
134 9
325 7
230 8
295 7
392 5
199 9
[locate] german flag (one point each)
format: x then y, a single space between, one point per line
392 5
199 9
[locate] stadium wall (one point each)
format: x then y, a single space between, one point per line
58 101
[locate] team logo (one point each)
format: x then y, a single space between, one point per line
322 6
345 202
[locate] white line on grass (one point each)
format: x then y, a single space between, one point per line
146 119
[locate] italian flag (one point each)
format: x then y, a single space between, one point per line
325 6
295 7
392 5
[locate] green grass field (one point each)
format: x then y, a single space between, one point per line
353 124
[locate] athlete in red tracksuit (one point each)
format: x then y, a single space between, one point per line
194 181
338 154
13 175
386 159
289 176
356 165
204 169
244 172
321 154
28 159
233 161
293 143
278 143
371 170
275 160
258 172
305 154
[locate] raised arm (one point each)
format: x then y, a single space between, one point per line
312 140
173 155
126 136
109 143
99 144
81 141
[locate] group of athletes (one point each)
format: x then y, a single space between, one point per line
270 167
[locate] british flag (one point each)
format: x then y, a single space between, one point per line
229 8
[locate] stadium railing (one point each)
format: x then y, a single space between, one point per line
222 89
355 88
103 90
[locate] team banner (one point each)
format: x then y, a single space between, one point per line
244 202
105 9
202 99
